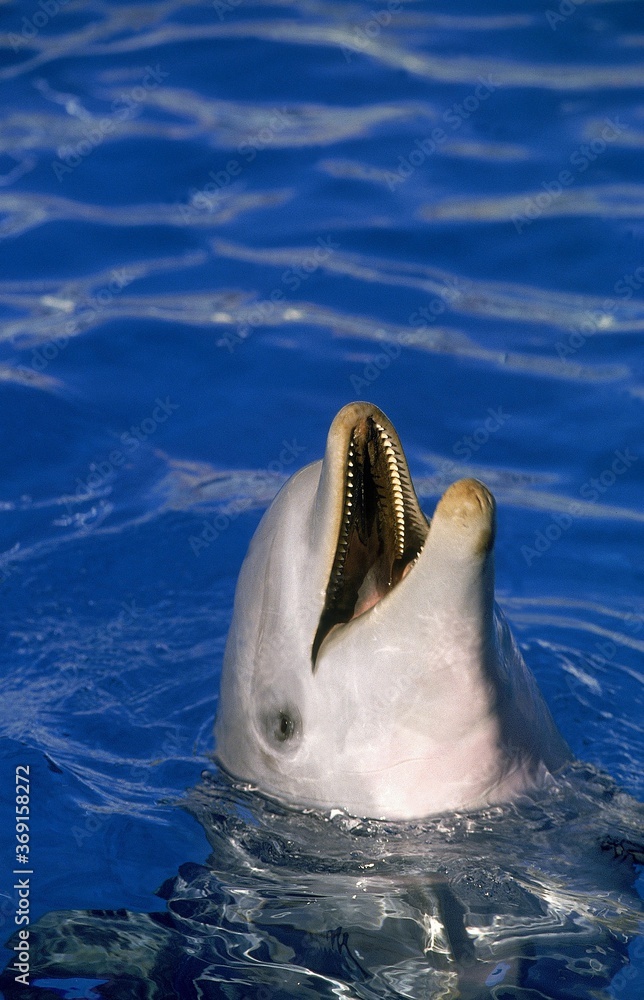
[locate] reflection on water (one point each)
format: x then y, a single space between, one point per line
534 897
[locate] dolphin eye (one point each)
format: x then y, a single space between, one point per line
285 727
282 725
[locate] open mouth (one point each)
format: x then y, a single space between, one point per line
382 528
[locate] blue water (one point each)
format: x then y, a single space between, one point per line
218 224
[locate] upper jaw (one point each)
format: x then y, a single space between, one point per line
368 515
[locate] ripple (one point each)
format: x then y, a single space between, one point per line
460 69
245 126
21 375
577 624
458 292
201 487
219 311
543 500
287 125
65 668
512 489
628 617
130 29
614 201
23 212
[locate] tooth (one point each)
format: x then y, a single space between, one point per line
397 489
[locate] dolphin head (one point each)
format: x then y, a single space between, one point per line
365 667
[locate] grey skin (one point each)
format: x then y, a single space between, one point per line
367 667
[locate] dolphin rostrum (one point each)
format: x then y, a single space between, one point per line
367 667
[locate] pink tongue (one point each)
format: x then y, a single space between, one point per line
369 594
406 570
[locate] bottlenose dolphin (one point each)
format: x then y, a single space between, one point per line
367 667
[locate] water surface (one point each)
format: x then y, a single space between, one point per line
218 224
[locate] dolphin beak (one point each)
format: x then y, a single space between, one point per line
368 513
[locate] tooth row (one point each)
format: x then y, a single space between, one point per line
397 489
346 516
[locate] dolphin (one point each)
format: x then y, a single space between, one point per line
367 667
